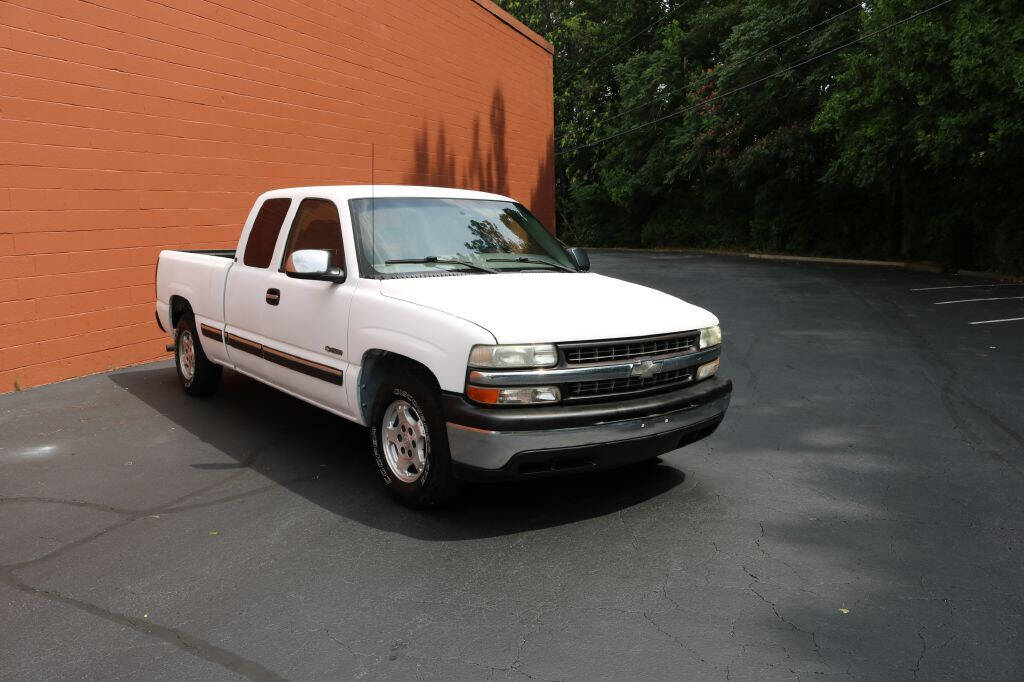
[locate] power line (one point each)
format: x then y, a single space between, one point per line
820 55
671 91
797 35
624 42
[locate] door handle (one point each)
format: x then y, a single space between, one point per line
273 296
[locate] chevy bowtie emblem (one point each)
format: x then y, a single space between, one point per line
645 369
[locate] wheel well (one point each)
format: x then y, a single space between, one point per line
375 363
178 307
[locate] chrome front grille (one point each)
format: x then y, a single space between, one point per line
605 388
592 371
647 348
629 349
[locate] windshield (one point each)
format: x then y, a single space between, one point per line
456 235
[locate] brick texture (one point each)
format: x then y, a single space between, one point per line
128 126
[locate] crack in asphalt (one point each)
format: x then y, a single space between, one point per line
679 642
632 534
131 516
518 661
95 506
177 638
924 648
810 633
182 640
947 389
380 658
347 647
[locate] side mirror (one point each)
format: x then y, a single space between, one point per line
313 264
580 258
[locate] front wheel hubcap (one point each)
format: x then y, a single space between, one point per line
186 355
405 441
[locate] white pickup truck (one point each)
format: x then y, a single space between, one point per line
473 344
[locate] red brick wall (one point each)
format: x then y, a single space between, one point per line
127 126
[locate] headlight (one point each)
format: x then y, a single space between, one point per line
520 395
710 336
514 357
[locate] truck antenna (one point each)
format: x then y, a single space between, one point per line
373 205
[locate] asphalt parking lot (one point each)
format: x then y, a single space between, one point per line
859 513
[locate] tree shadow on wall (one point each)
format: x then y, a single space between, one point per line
487 166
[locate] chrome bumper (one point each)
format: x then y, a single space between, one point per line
493 449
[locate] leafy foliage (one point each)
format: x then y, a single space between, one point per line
905 144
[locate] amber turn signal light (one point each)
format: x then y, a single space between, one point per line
514 395
488 396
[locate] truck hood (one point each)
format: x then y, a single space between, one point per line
552 307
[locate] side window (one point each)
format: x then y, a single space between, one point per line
259 249
316 226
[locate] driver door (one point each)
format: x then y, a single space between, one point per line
309 323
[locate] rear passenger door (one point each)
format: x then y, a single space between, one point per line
245 296
309 323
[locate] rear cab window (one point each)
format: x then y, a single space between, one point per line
259 248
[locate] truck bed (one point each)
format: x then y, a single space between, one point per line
197 276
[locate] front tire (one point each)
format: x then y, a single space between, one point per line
198 375
409 441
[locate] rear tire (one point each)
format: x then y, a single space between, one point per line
198 375
409 441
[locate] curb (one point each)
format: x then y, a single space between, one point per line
990 275
779 257
915 266
838 261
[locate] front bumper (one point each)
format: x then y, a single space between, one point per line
505 443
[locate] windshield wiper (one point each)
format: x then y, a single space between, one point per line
436 260
528 259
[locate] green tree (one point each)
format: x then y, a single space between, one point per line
928 116
901 145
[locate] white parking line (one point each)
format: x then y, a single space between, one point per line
1009 319
976 300
969 286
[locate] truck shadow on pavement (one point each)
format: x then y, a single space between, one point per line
327 461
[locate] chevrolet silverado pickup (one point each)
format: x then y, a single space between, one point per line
471 342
